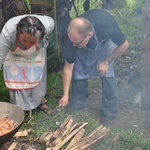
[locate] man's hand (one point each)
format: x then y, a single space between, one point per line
103 68
63 101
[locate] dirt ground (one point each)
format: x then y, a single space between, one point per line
131 115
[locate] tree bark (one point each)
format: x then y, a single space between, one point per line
86 5
145 71
107 4
12 8
63 18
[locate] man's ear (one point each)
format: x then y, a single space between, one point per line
90 34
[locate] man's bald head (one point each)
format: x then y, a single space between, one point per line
81 25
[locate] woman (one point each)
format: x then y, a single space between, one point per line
23 43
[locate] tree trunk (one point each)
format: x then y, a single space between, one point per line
0 14
107 4
63 18
145 71
12 8
86 5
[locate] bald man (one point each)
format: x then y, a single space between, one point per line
94 42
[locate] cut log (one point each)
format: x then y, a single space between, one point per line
22 133
48 136
76 139
110 144
12 146
53 136
41 139
99 128
62 126
66 139
90 142
63 132
74 133
91 139
60 132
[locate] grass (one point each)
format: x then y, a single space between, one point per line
4 91
127 138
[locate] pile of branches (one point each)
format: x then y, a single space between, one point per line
72 136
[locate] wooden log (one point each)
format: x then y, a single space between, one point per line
12 146
76 139
63 132
93 138
41 138
65 139
56 133
65 122
48 136
71 129
89 143
22 133
99 128
62 126
110 144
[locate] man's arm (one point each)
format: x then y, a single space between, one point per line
66 77
102 67
118 52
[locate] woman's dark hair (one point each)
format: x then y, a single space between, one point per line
32 26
